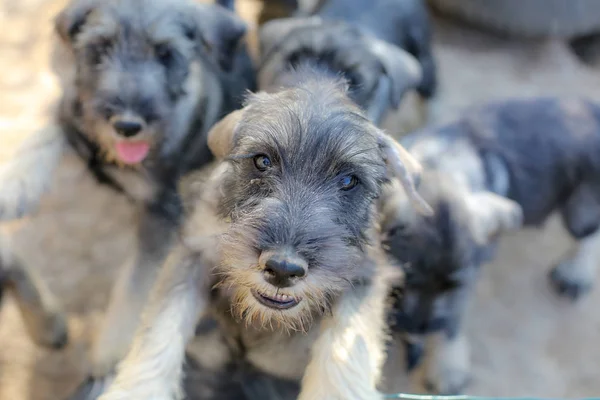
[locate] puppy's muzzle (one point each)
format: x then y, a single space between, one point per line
283 268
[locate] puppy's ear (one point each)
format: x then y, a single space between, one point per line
405 168
222 135
70 21
400 66
272 33
216 29
492 215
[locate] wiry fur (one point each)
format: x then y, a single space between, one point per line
502 165
171 68
381 47
332 340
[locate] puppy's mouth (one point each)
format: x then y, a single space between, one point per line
132 152
278 301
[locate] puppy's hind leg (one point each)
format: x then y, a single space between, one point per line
127 301
43 318
575 275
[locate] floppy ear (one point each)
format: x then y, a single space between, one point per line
400 66
69 22
222 134
404 167
492 215
216 29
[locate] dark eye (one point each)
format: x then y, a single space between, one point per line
348 182
164 54
262 162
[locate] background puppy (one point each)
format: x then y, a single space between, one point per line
284 234
503 164
375 45
143 81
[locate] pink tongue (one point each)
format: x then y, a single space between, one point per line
132 152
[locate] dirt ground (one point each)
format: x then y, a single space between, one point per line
525 340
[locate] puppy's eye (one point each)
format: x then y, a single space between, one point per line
164 54
348 182
262 162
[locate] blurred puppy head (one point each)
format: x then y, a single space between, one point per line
304 169
441 253
134 69
378 73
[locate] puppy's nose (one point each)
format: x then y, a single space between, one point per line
127 128
282 271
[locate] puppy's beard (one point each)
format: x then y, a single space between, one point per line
240 274
247 308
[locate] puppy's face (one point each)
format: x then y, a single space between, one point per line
305 170
137 65
441 254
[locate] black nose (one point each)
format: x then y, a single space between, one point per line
281 272
127 128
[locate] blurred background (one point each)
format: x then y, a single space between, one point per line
525 340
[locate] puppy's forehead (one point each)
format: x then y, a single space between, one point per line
153 21
308 124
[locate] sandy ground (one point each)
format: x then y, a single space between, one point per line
525 340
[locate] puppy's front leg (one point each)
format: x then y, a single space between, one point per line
27 175
447 364
348 355
152 369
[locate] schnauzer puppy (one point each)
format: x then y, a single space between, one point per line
143 81
502 165
375 45
281 249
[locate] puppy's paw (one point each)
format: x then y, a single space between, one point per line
571 280
92 388
448 370
451 382
53 332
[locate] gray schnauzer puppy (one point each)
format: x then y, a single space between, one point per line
502 165
281 250
143 81
381 47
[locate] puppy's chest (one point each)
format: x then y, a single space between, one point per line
278 353
137 184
